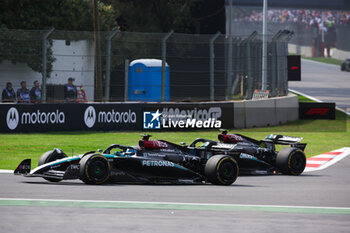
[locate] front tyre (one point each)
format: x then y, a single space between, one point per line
50 156
291 161
221 170
94 169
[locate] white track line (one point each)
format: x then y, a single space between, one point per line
6 171
172 203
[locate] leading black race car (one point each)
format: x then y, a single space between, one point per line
165 162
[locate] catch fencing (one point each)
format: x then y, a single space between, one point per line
198 64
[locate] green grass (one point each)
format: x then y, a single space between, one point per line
16 147
304 99
321 136
327 60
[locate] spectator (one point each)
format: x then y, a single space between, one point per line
35 92
23 93
330 37
8 94
70 91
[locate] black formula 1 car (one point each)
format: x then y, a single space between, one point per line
159 161
260 156
345 65
153 162
253 156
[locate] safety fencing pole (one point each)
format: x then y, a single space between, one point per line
274 61
126 78
108 64
43 96
211 65
249 63
164 62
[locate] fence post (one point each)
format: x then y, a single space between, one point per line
43 97
249 64
238 67
229 62
211 65
108 65
274 62
126 80
164 62
229 68
264 48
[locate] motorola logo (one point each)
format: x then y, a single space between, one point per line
90 116
12 118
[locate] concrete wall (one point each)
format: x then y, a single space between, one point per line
340 54
301 50
266 112
74 60
307 52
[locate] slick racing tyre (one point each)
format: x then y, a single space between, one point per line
221 170
94 169
50 156
291 161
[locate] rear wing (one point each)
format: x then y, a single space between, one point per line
285 140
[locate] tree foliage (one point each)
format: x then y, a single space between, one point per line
23 45
155 15
187 16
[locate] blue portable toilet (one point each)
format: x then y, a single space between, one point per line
145 80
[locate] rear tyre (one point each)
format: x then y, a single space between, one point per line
94 169
221 170
50 156
291 161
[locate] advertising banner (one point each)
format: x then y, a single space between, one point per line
312 110
114 116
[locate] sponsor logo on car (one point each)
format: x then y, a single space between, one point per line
151 163
246 156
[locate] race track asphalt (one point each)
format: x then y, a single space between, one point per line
128 212
325 82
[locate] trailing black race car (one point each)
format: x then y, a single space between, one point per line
170 163
345 65
252 156
261 157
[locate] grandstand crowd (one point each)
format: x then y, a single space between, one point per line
307 17
321 24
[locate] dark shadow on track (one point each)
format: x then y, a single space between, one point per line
129 184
